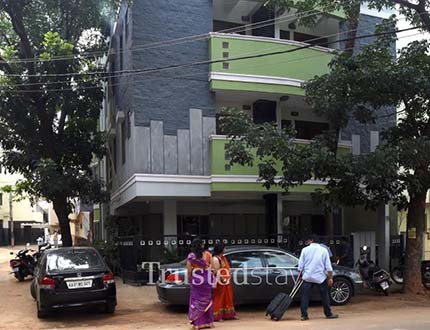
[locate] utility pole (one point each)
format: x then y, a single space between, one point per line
12 235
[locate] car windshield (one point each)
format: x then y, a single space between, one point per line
73 260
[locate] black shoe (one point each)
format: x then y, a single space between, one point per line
305 318
332 316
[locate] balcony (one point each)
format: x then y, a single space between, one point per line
281 73
243 178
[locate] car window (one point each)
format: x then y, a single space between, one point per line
248 259
73 260
280 260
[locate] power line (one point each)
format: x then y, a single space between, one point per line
127 72
169 42
174 66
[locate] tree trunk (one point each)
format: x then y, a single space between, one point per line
414 244
62 210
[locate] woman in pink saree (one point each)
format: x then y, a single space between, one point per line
200 277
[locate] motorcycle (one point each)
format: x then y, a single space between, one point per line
398 271
374 277
23 264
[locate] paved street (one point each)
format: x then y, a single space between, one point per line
138 308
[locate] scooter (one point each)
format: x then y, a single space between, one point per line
23 264
374 277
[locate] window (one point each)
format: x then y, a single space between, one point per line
114 154
121 51
1 199
285 35
264 111
231 27
247 259
310 39
123 139
280 260
308 130
73 260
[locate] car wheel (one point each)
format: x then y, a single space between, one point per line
19 276
41 313
341 291
110 308
33 288
397 275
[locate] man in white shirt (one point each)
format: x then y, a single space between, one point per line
315 267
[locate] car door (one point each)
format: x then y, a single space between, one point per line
282 272
248 275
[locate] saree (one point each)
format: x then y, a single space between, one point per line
200 311
223 292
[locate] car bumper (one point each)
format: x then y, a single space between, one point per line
50 300
173 294
358 287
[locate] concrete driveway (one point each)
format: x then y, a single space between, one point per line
138 308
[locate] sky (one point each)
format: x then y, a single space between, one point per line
408 36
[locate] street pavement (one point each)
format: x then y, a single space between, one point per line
138 308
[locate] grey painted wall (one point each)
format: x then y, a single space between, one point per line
168 95
366 26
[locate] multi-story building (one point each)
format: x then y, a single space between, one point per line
173 68
29 220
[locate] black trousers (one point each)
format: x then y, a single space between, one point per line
306 295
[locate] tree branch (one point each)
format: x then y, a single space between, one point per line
5 37
423 13
4 65
14 11
406 3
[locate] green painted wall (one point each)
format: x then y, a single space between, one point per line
218 167
303 64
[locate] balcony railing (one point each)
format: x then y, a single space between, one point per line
243 178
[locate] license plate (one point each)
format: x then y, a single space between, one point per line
15 270
80 284
384 285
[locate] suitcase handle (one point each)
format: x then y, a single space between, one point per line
296 288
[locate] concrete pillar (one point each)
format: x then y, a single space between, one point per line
383 236
170 226
279 213
374 140
356 146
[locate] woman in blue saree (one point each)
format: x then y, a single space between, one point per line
200 278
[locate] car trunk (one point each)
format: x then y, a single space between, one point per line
78 281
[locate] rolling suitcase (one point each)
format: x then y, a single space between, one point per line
279 305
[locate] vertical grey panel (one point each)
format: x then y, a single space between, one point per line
184 158
170 155
142 143
356 146
374 140
208 130
196 141
157 143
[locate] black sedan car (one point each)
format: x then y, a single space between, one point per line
258 274
72 277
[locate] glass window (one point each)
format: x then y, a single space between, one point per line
280 260
245 260
73 260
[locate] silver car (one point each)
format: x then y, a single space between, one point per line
258 274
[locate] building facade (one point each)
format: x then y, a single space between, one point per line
29 220
173 68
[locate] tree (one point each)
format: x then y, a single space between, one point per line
417 12
50 98
360 87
